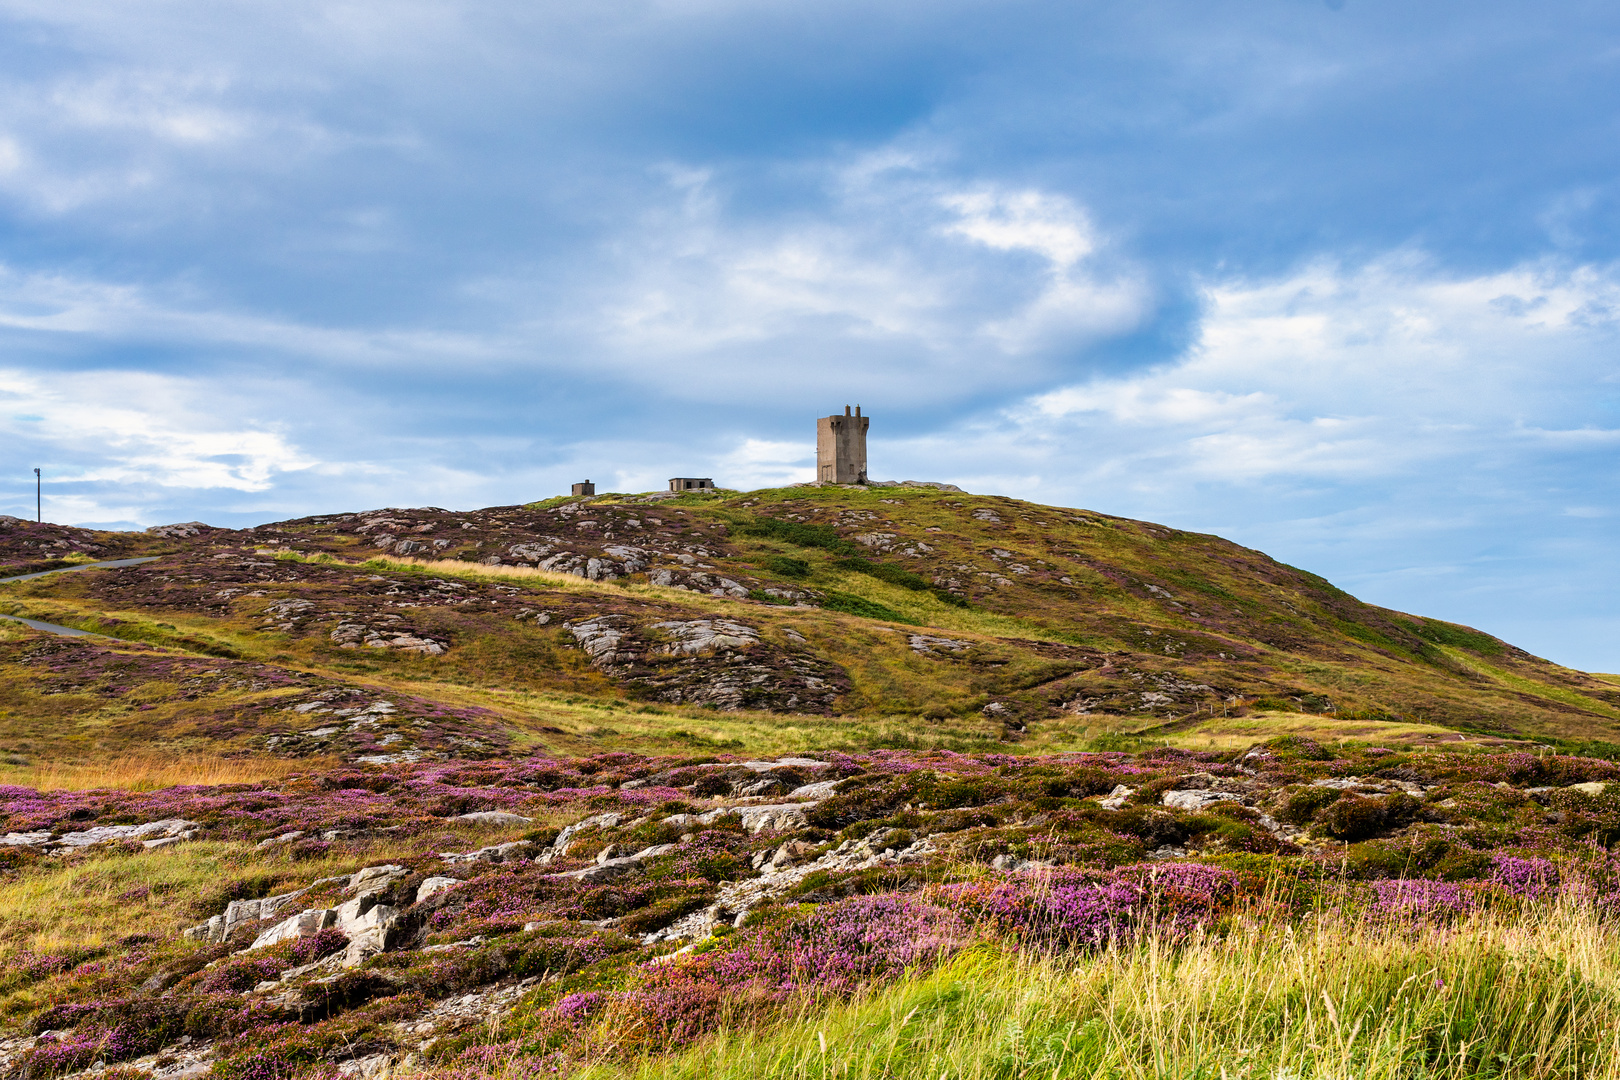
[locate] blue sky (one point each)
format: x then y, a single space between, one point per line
1336 280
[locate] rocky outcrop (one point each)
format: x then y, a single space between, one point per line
179 530
365 920
720 662
153 834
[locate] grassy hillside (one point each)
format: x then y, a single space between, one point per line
793 783
790 619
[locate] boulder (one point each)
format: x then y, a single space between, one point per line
178 530
367 929
821 789
434 885
376 878
150 834
1116 799
306 923
1197 800
609 869
494 853
565 838
493 817
759 818
239 912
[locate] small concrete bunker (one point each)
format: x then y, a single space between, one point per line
691 483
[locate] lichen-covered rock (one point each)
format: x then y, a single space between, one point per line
306 923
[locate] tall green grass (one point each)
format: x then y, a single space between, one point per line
1533 996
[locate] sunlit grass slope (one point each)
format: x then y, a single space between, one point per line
1497 996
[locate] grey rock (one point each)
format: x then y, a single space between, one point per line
178 828
494 853
493 817
376 878
821 789
759 818
609 869
695 636
306 923
925 644
181 529
435 885
1116 799
1197 800
565 838
372 1067
240 912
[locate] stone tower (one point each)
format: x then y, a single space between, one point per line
841 448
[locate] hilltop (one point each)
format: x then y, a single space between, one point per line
779 620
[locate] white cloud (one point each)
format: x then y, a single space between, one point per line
904 284
1347 374
59 304
1047 225
131 428
758 463
180 109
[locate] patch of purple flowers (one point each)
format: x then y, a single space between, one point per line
1529 879
1417 898
837 948
1064 907
1077 909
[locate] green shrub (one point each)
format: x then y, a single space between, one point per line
1303 804
850 604
1355 817
894 575
786 565
797 533
898 575
1298 747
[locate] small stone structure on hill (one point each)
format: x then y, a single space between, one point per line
841 448
691 483
587 488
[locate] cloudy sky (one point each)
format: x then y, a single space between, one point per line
1339 280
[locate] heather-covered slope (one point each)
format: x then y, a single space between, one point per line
748 784
534 916
904 616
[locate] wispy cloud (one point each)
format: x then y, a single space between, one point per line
904 284
150 429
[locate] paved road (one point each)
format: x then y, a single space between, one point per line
67 631
52 628
81 566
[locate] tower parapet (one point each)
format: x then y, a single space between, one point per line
841 447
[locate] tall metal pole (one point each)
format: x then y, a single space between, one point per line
39 499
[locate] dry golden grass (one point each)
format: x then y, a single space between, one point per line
147 772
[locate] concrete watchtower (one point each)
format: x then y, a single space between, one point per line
841 448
